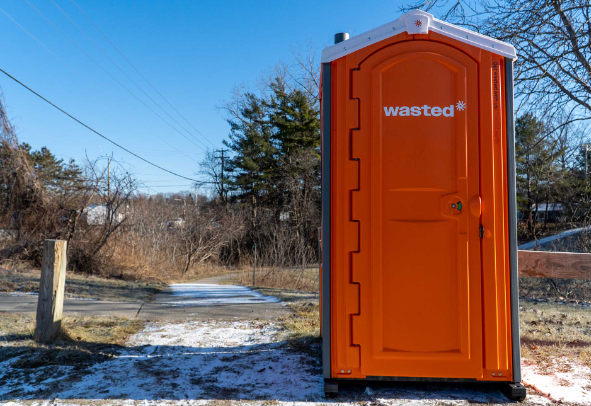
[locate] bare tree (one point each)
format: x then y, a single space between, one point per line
112 195
210 172
553 43
206 233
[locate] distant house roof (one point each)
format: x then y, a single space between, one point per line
417 22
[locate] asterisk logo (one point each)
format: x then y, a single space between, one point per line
418 23
460 106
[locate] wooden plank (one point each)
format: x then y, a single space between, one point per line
543 264
51 291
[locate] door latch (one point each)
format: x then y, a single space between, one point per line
481 231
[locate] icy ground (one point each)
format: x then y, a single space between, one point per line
567 382
196 294
198 363
193 360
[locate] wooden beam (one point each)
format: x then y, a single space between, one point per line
51 291
543 264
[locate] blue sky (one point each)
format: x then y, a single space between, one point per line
193 52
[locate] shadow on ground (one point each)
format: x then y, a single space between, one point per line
259 371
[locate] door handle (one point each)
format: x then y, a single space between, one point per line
452 205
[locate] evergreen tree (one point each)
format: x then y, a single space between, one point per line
296 136
295 120
251 167
527 133
57 177
541 171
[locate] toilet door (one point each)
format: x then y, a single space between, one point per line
418 206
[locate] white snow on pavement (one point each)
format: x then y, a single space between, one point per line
564 381
193 360
206 362
18 293
196 363
194 294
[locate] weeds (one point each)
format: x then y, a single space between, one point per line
26 280
301 279
550 330
83 341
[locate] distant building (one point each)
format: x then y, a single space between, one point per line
554 211
176 223
96 215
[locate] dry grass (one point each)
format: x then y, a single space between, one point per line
305 280
305 322
303 326
82 341
551 330
548 330
17 329
202 271
18 277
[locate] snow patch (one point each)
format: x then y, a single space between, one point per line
194 294
573 385
191 360
19 294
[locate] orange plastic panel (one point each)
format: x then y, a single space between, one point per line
418 164
419 156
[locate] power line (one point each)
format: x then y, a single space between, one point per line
109 74
101 50
138 72
39 42
92 129
77 73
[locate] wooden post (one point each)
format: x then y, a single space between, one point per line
51 291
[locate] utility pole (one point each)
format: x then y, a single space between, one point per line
108 179
108 190
586 147
222 157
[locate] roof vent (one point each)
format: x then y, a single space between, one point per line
418 22
340 37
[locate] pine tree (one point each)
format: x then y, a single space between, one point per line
57 177
251 166
295 120
296 136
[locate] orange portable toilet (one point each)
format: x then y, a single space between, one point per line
419 248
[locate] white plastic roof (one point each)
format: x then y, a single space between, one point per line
417 22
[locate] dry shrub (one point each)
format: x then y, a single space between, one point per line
303 279
24 203
150 247
156 238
